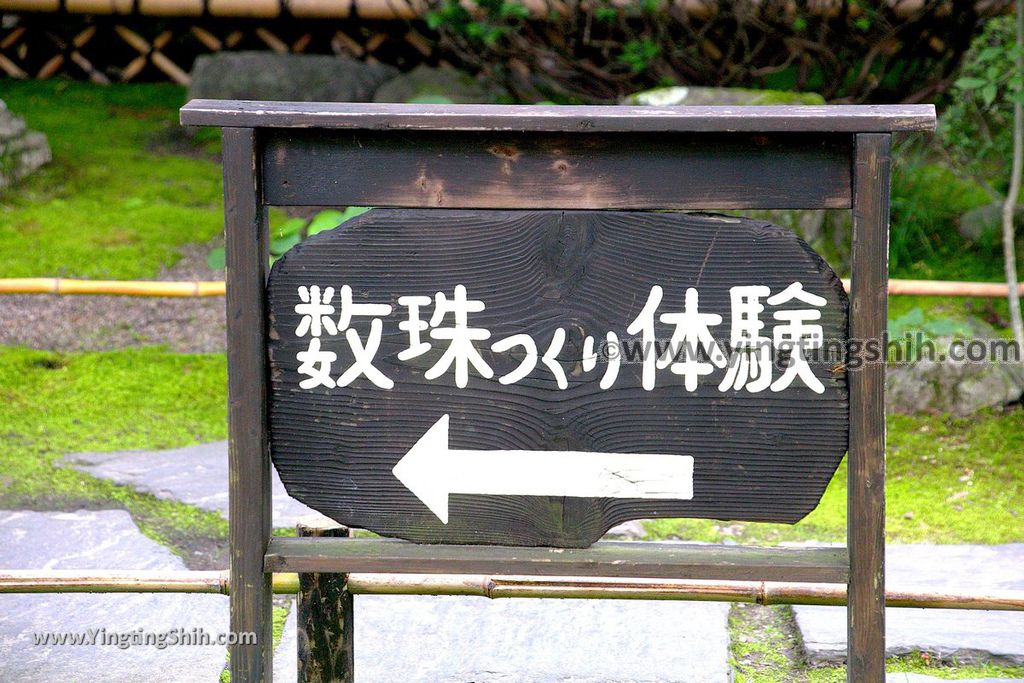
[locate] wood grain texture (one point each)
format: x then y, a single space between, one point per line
556 170
560 118
324 626
866 489
249 509
606 559
759 457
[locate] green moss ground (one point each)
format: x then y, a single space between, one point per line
125 189
765 648
53 404
950 480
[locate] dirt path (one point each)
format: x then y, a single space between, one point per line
98 323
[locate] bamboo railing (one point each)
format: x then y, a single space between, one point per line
62 286
494 587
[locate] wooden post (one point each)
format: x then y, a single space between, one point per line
326 650
248 451
865 535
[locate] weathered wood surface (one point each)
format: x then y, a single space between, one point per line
325 623
865 516
606 558
248 460
759 456
557 170
561 118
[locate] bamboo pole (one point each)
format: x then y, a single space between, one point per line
45 285
495 587
992 290
390 9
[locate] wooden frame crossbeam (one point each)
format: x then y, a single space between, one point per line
606 558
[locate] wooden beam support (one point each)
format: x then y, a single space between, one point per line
865 516
325 621
249 507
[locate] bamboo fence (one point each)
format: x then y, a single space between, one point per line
370 9
494 587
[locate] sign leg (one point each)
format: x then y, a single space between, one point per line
249 509
325 619
866 497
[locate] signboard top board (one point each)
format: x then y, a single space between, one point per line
561 118
533 378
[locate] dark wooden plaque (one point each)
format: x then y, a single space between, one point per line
536 377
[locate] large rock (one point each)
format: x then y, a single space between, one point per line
21 150
286 77
427 84
959 387
964 635
87 541
692 96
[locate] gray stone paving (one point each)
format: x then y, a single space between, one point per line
197 475
430 639
99 540
921 678
964 634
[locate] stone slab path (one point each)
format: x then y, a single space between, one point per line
430 639
964 634
197 475
921 678
99 540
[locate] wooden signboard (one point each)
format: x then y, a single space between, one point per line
439 369
533 378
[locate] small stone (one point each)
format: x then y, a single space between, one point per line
628 531
22 151
985 223
691 96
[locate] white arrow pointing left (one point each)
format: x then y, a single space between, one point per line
432 471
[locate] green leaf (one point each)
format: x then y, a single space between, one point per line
282 244
216 258
989 53
330 219
292 226
969 83
988 93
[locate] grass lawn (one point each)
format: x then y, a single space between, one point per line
124 192
950 480
53 404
